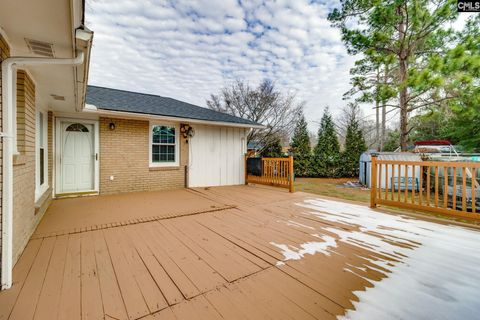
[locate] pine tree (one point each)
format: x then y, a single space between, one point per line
300 148
327 151
354 147
408 35
273 148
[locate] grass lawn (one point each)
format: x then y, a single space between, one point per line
335 188
332 188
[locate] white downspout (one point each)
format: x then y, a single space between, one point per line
8 120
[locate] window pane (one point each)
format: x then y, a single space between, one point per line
163 134
163 147
42 165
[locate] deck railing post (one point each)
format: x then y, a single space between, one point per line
373 182
290 162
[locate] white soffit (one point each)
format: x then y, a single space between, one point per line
47 22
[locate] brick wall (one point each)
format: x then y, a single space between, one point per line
26 213
4 53
124 154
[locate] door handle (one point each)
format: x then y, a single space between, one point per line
96 156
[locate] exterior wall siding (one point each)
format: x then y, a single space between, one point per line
4 53
26 213
124 155
218 156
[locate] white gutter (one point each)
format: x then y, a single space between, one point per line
9 138
132 115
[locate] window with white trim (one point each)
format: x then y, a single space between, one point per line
163 145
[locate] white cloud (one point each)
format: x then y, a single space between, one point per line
190 49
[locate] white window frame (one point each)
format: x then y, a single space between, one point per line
176 163
40 189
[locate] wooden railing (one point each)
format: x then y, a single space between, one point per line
435 186
272 171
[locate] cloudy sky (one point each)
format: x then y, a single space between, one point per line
190 49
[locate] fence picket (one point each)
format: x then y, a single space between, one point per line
420 187
474 194
445 187
435 170
275 172
464 190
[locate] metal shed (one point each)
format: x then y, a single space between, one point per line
366 162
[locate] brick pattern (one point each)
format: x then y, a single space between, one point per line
25 113
26 213
4 53
24 164
124 154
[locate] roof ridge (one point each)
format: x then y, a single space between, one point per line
151 97
145 94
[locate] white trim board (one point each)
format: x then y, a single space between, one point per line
57 154
176 163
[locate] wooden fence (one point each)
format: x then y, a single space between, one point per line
434 186
272 171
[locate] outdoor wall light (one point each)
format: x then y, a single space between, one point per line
111 126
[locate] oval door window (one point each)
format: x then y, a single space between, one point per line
76 127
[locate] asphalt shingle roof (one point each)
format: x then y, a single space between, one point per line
126 101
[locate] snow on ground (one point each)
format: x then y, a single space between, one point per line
438 276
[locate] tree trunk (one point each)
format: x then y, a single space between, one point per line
384 113
377 115
403 69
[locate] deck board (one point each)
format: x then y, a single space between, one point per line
250 262
92 307
156 246
48 302
197 270
113 305
20 273
27 300
168 288
148 287
70 298
132 296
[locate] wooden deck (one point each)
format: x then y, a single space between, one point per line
253 259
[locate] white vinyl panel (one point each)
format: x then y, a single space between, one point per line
223 156
216 156
228 164
234 163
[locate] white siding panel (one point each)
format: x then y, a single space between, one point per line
216 156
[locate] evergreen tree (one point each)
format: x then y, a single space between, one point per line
392 142
300 148
273 148
460 66
410 35
354 146
327 151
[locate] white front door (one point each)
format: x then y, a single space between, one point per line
77 157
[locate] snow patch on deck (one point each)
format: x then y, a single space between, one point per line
434 273
312 247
